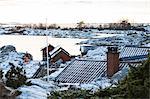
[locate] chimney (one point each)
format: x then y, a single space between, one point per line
112 61
44 51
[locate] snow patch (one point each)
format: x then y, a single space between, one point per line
97 54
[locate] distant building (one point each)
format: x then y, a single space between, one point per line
27 58
85 48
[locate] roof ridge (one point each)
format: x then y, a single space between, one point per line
90 60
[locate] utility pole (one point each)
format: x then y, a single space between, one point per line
47 52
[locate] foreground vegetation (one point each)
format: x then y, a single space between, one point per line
135 85
15 77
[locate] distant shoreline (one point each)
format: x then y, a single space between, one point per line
65 25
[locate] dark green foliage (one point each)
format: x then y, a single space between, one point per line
72 94
136 84
15 77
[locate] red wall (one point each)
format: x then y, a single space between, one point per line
61 55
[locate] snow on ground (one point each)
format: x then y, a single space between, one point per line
147 28
86 33
32 92
38 90
120 40
43 84
60 33
97 54
147 45
31 68
121 37
2 31
8 55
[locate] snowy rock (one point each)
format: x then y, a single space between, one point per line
10 55
147 28
39 90
147 45
2 31
31 68
8 48
97 54
32 92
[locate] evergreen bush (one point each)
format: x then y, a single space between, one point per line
15 77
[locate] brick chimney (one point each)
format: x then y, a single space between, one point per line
112 61
44 51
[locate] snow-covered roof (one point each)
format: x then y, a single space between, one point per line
133 53
80 71
56 50
84 71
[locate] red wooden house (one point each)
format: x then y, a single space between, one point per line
56 54
59 54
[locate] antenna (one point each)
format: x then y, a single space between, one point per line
47 51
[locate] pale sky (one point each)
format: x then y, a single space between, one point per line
73 11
